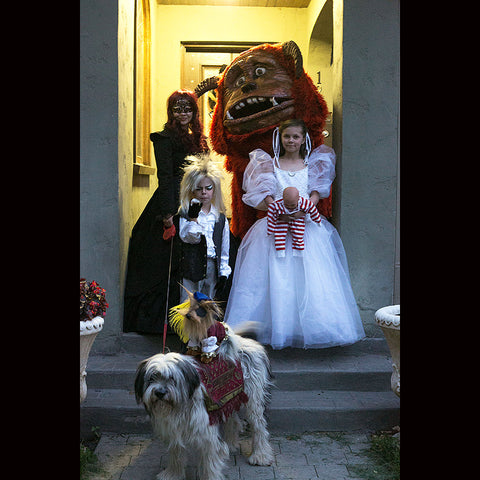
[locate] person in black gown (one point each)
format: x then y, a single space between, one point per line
149 253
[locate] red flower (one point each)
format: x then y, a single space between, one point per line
92 300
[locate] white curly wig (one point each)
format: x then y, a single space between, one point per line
196 169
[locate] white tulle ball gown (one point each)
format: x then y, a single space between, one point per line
299 301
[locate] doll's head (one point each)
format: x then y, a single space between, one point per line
202 180
290 198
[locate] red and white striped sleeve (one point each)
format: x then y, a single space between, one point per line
272 216
310 208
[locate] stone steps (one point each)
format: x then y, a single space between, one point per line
335 389
115 410
364 373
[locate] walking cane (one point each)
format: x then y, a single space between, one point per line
168 234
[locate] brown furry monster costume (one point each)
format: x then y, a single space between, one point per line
261 88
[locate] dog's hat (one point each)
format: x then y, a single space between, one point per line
199 296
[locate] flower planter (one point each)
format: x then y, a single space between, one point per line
88 332
388 318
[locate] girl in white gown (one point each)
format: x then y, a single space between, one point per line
299 301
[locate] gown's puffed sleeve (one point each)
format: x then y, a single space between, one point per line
258 178
321 170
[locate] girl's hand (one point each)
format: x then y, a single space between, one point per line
286 217
314 197
266 201
298 214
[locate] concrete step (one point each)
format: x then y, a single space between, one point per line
332 410
115 410
292 371
150 344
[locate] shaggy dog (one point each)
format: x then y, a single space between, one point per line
171 390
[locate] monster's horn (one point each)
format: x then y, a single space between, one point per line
206 85
291 49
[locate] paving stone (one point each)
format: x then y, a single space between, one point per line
325 456
136 472
295 473
331 471
232 473
293 459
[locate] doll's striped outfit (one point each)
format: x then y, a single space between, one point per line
297 226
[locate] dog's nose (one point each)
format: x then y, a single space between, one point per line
160 392
192 318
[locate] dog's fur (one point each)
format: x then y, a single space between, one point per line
169 387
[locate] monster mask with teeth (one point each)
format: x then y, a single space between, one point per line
261 88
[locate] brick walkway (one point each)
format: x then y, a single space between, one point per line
328 456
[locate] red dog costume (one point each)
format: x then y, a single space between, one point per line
261 88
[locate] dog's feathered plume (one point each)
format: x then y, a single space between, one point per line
177 320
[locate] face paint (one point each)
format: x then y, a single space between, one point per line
204 192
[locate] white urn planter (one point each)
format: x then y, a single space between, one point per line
388 318
88 332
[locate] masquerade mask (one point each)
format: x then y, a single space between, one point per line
182 106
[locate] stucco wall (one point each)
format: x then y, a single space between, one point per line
368 117
362 89
99 200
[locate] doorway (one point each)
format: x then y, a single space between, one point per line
201 60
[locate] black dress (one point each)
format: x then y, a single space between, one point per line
148 253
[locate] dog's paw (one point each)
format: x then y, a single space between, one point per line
261 459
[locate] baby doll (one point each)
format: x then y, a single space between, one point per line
281 217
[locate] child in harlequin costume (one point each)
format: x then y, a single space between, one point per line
300 301
289 205
203 229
